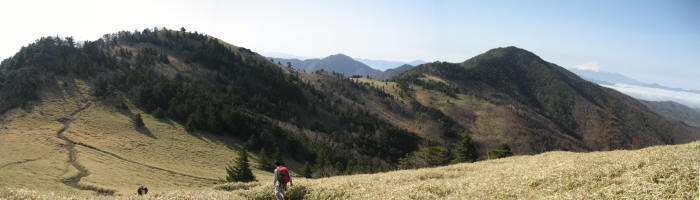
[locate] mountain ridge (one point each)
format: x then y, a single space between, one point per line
196 86
553 92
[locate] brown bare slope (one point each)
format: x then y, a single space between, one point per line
540 105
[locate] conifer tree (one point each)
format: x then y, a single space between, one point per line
306 170
264 161
240 171
138 121
466 150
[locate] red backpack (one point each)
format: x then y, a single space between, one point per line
284 175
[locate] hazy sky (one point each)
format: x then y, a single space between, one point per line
651 41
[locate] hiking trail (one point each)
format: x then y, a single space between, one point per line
82 171
70 147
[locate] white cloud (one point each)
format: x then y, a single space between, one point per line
591 66
657 94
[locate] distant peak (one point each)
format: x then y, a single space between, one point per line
339 55
510 51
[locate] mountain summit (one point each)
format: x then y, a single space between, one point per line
544 103
334 63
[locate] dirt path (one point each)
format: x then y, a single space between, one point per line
70 147
19 162
82 171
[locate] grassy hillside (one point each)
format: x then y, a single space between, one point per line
113 154
660 172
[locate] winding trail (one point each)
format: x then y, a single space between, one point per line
70 147
82 171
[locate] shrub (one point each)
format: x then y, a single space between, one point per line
501 151
159 113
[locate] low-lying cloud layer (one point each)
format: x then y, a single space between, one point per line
591 66
656 94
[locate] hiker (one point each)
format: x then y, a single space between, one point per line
281 179
142 190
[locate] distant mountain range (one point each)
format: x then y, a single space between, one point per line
334 63
310 64
386 65
642 90
391 73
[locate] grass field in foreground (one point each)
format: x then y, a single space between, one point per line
661 172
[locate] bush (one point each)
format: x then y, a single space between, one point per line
159 113
425 157
268 192
501 151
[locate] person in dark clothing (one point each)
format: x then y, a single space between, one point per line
142 190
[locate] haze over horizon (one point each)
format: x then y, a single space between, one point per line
651 41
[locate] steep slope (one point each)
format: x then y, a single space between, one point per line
540 106
391 73
675 111
334 63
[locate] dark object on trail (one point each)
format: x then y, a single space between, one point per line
142 190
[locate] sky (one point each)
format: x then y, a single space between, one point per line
655 41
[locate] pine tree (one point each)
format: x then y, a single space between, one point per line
138 121
276 155
306 170
466 150
189 125
240 171
264 161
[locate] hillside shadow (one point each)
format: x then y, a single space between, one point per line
227 141
144 130
167 121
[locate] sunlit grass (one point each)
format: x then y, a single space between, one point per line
33 163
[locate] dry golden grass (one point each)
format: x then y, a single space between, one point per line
661 172
116 155
175 164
